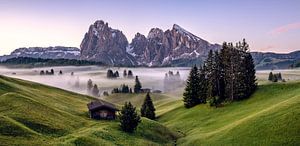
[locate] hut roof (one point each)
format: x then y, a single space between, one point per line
100 104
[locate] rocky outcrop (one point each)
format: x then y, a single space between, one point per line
175 47
104 44
56 52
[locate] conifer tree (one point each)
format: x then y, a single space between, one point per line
203 89
129 119
192 93
270 76
95 90
147 109
138 85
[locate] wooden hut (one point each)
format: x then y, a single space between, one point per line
100 109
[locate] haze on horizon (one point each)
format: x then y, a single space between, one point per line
269 26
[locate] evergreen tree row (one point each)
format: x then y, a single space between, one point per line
227 75
123 89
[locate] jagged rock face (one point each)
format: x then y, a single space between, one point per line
107 45
140 43
165 48
159 48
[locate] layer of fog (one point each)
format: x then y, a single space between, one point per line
152 78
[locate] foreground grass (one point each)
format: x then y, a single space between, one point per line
35 114
269 117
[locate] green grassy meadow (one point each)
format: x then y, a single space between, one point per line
35 114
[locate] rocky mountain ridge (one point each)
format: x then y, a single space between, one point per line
56 52
159 48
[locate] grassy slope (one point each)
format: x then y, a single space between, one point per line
269 117
34 114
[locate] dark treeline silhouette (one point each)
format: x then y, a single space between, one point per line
39 62
227 75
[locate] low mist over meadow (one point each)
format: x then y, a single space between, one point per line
152 78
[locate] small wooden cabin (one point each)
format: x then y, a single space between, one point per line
100 109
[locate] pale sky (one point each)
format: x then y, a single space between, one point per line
268 25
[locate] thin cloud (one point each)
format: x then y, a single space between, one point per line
285 28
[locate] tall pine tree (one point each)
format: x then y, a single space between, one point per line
138 85
191 93
147 109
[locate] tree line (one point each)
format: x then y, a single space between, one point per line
39 62
226 75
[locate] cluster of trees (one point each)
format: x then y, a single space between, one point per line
128 74
92 89
129 118
42 72
123 89
110 74
275 77
227 75
172 81
39 62
51 72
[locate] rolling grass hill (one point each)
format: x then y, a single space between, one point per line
34 114
269 117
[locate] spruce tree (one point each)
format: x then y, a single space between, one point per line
192 93
249 75
203 89
138 85
129 119
147 109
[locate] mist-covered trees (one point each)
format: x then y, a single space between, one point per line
128 74
225 76
138 86
110 74
147 109
129 118
95 90
275 77
89 85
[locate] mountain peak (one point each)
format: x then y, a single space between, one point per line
182 31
